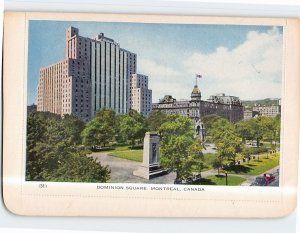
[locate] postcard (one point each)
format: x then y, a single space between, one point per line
150 115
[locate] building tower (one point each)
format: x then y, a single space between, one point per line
95 74
198 124
140 95
196 94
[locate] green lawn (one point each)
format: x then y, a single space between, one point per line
256 167
208 160
268 144
221 180
135 155
124 152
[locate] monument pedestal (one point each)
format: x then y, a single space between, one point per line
150 172
150 167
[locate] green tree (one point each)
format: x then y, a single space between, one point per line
155 120
179 150
276 131
101 130
229 146
137 116
42 159
244 130
247 153
259 126
80 168
220 129
51 148
208 122
195 156
107 116
35 133
131 129
120 138
272 133
96 133
75 126
217 164
224 136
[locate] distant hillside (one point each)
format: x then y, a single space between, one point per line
252 103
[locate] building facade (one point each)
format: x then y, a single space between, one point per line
268 111
31 108
229 107
95 74
248 114
141 96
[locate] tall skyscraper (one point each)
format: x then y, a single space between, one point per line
94 74
141 96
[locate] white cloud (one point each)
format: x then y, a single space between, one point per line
149 66
163 79
252 70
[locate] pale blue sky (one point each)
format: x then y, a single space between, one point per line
168 53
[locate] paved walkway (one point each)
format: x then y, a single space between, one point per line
122 170
210 148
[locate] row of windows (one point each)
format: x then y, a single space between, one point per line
81 110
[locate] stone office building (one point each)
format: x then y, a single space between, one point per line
95 74
268 111
228 107
141 96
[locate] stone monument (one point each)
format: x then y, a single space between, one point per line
150 167
200 130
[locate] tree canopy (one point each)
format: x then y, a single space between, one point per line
259 128
131 129
53 153
101 130
179 149
155 120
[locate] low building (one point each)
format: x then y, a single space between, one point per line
31 108
268 111
248 114
228 107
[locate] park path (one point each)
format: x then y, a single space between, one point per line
122 170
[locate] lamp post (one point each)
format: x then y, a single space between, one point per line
226 176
